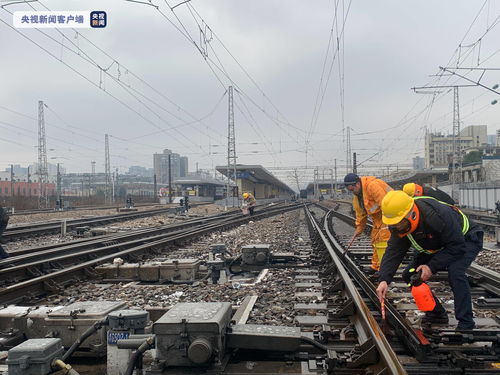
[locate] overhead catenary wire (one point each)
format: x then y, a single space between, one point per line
128 88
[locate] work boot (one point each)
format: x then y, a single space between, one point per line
465 326
432 317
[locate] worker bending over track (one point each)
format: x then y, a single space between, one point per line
368 192
444 239
250 201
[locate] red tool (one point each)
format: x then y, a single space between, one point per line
384 326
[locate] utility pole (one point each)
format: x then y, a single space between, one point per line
169 178
59 184
231 143
90 187
107 169
29 182
296 177
43 174
331 187
348 151
354 164
12 183
92 176
155 187
316 183
455 178
457 149
113 178
116 182
335 166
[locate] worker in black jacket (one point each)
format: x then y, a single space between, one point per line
444 239
416 190
4 220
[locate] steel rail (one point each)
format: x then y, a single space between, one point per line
55 281
41 253
90 207
414 340
387 354
35 228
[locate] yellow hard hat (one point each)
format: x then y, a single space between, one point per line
395 206
409 189
245 195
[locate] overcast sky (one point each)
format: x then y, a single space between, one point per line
144 80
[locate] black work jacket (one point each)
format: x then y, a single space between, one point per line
440 227
440 195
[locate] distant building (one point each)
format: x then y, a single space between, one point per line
137 170
184 170
161 166
418 163
439 148
24 189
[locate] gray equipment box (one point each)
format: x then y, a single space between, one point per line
179 269
192 334
128 319
28 319
263 337
34 357
254 255
149 272
70 322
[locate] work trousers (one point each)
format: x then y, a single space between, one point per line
456 277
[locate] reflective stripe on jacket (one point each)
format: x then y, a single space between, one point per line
465 228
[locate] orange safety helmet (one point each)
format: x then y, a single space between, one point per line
245 195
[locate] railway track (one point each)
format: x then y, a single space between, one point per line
441 349
36 229
77 208
37 273
334 305
25 263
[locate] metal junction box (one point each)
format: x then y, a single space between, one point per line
71 321
257 254
30 320
192 334
179 269
34 357
264 337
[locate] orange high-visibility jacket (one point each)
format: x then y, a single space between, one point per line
374 190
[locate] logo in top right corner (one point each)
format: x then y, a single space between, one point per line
98 19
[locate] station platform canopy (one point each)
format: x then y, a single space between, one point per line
198 181
257 180
200 188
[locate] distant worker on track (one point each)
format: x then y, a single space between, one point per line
250 201
368 192
444 239
416 190
4 220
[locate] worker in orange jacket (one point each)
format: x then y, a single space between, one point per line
368 192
